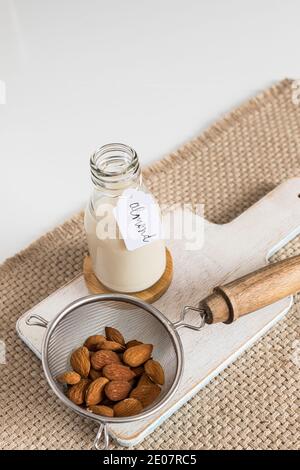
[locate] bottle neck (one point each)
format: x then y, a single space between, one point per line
115 167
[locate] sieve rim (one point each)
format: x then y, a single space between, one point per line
167 324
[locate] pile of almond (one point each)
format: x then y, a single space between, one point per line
111 377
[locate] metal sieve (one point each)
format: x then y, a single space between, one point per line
138 320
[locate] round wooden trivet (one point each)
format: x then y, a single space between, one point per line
149 295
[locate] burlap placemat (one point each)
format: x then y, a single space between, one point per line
253 403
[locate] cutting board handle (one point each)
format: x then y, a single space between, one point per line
253 291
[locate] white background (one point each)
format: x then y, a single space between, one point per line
81 73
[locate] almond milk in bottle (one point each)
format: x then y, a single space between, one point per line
123 223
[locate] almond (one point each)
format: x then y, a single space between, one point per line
155 371
137 355
80 361
111 346
128 407
132 343
112 334
101 358
76 393
118 372
145 380
69 378
117 390
94 374
95 391
138 370
93 341
146 394
101 410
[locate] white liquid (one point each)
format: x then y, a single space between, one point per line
116 267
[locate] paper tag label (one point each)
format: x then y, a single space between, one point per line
138 218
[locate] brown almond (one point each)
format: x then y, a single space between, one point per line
111 346
128 407
145 380
112 334
94 374
69 378
146 394
102 358
76 393
155 371
138 370
101 410
95 391
137 355
117 390
132 343
118 372
80 361
92 342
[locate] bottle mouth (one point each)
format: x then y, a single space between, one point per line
113 165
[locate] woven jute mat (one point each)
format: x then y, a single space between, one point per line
250 405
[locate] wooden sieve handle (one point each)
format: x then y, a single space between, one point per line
253 291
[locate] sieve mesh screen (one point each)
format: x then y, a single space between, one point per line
133 321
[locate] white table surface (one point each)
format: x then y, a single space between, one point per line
81 73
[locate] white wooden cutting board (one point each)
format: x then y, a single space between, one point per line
229 251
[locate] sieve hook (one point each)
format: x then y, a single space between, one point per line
182 324
102 435
36 320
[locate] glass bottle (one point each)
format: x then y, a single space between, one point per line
114 169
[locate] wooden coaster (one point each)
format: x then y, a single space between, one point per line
149 295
